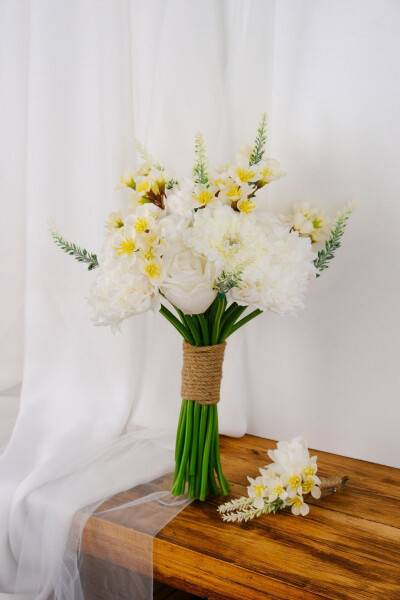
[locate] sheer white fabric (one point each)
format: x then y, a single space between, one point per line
79 81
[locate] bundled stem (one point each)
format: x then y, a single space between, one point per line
198 469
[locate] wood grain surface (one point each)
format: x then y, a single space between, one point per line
348 547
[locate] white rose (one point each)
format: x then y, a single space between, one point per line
188 280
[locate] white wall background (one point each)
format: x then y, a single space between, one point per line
79 80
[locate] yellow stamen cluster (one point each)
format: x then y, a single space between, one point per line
204 197
152 270
127 246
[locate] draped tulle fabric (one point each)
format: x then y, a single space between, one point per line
81 79
96 76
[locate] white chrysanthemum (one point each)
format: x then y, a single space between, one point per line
281 281
229 239
120 292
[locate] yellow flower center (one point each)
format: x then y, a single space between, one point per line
278 489
149 254
309 470
308 485
294 482
245 174
246 206
204 197
234 191
258 490
267 173
143 186
297 501
141 225
127 246
152 270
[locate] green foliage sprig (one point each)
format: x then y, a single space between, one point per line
227 281
333 243
200 174
80 254
259 143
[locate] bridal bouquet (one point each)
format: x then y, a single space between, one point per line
206 246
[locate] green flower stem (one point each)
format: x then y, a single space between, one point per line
179 438
176 323
228 313
226 330
202 434
194 330
245 320
204 329
206 455
224 484
214 442
179 485
196 423
220 308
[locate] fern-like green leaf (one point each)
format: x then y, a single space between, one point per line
327 253
80 254
200 173
259 143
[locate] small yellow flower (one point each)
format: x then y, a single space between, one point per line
246 206
143 186
299 507
149 254
203 194
233 192
152 270
114 221
141 225
127 180
310 470
244 174
127 246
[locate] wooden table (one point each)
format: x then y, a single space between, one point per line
348 547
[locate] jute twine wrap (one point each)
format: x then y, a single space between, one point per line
202 372
332 484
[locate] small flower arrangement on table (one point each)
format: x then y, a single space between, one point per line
208 247
290 477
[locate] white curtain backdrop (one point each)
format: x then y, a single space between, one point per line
80 80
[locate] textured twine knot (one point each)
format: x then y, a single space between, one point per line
202 373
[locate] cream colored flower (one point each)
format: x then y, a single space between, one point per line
270 170
257 490
227 238
115 221
279 282
127 180
189 280
243 173
276 489
293 484
309 221
203 194
310 486
299 507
